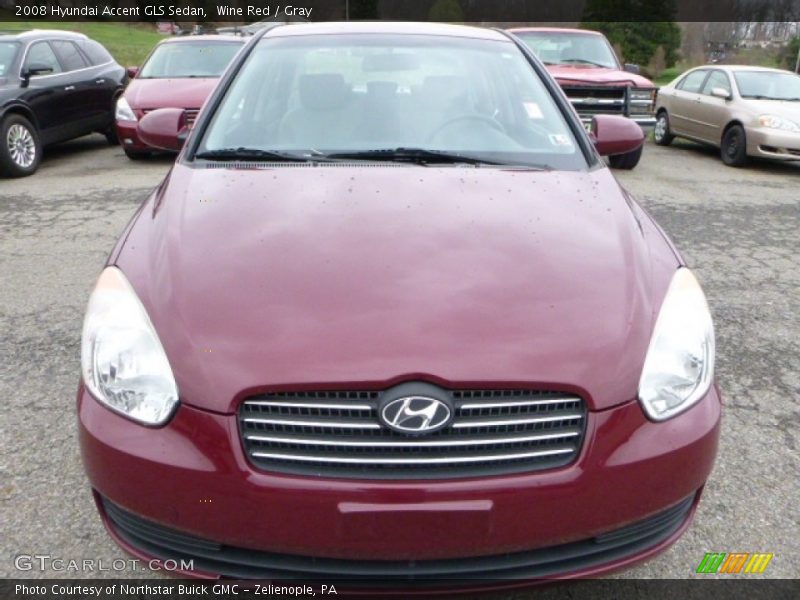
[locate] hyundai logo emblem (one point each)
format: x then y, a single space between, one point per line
415 414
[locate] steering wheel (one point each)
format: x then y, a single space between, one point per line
482 118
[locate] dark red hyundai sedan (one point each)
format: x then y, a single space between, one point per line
179 72
391 319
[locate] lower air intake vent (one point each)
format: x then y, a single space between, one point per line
241 563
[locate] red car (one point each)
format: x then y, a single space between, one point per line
390 319
585 65
180 72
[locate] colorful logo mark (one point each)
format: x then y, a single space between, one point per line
734 563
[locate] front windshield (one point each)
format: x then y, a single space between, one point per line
189 59
568 48
317 96
770 85
8 51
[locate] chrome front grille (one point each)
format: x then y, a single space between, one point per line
597 100
191 116
339 434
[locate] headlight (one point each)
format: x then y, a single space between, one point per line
123 363
642 100
124 112
776 122
642 94
679 365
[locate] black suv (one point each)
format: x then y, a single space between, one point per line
54 86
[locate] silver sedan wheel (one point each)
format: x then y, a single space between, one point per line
21 145
660 129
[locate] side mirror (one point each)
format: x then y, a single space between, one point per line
164 129
719 92
34 69
132 71
612 134
632 68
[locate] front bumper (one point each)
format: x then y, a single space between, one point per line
146 539
646 122
773 143
129 136
192 477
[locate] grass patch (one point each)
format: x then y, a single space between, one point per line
761 57
128 43
668 75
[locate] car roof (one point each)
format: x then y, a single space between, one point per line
736 68
732 68
38 34
388 28
203 38
516 30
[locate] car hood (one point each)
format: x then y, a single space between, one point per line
780 108
361 277
568 74
184 92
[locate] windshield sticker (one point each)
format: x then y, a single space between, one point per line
533 110
560 140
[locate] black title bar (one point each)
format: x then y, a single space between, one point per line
475 11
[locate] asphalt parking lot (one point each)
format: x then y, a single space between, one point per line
739 228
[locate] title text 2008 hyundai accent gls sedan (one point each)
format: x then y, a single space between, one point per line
390 317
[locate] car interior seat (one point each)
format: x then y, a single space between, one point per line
326 111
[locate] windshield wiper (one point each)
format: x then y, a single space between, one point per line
583 61
256 154
414 155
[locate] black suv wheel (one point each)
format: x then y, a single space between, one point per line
20 149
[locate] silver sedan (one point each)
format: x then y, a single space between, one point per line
745 111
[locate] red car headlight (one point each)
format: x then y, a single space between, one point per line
679 366
123 363
123 111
